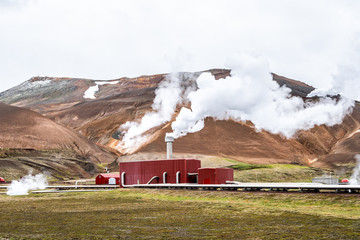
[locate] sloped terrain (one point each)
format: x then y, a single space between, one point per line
340 154
46 94
230 139
297 88
25 134
130 98
61 164
23 128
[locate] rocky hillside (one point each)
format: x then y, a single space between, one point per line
25 135
115 102
45 94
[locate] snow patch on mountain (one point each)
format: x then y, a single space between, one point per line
90 93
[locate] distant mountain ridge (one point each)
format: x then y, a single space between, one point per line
62 100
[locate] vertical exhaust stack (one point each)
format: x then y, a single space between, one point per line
169 139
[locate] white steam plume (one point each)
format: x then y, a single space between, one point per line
346 81
251 94
26 184
355 177
168 95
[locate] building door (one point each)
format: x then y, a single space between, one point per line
112 180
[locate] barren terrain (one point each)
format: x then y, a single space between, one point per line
55 115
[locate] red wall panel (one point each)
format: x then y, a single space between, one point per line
215 175
142 171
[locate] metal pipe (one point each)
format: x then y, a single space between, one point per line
169 140
164 177
177 177
152 179
123 181
233 182
300 187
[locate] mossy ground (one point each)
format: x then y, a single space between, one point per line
276 173
181 214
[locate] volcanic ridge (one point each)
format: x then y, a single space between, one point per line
49 124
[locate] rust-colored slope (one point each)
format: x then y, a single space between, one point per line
234 140
86 113
342 152
130 99
100 119
297 88
25 129
49 94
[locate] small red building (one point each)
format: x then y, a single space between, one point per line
160 171
2 180
107 178
345 182
215 175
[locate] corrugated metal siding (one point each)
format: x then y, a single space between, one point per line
142 171
215 175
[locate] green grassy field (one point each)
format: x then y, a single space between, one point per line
181 214
275 173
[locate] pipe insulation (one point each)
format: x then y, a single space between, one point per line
177 177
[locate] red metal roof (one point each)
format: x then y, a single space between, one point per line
2 180
110 175
105 178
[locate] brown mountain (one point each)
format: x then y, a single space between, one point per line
62 100
30 141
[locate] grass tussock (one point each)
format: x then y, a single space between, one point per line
179 214
245 166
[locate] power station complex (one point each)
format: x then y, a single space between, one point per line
173 171
188 174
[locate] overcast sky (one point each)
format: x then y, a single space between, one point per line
107 39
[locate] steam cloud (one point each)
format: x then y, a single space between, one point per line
355 177
251 94
168 95
26 184
248 94
346 81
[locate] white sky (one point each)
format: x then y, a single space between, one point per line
107 39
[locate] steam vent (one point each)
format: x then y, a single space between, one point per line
169 140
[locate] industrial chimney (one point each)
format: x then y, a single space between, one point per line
169 139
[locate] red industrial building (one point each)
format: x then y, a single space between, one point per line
172 171
215 175
107 178
160 171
